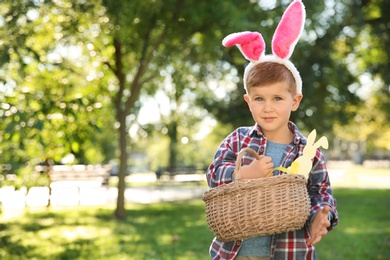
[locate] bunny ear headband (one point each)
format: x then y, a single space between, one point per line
287 34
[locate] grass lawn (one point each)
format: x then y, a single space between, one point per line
179 231
364 229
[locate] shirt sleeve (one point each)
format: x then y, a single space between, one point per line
320 191
221 170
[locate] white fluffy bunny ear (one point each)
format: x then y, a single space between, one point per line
251 44
289 30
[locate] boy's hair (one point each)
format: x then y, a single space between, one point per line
267 73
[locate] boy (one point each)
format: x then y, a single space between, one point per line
273 91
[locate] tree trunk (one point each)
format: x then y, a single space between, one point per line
120 212
172 133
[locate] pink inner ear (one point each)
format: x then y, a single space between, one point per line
251 44
289 30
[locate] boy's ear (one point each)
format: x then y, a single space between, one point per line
296 101
247 100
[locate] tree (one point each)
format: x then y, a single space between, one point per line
363 45
126 49
370 24
51 105
147 36
131 40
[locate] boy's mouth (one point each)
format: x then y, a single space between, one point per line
268 118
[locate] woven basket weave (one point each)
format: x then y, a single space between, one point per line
255 207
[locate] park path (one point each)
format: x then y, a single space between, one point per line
67 195
71 194
347 178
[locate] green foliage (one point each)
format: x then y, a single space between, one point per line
25 179
363 47
51 103
368 25
369 117
73 72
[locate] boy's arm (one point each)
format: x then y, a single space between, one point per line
320 191
221 169
319 226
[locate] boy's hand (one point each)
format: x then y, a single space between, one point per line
257 168
318 228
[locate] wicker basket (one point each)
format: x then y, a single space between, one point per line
255 207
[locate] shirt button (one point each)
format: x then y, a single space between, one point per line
261 150
238 242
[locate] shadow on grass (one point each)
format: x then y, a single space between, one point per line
166 231
156 231
13 248
179 231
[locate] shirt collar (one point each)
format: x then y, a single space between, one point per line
298 137
256 129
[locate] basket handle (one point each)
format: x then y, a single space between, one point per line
239 161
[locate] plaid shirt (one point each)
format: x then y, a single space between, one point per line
289 245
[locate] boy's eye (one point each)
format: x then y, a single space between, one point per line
278 98
258 98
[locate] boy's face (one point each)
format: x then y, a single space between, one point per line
271 106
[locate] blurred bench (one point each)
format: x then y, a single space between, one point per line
98 175
75 176
195 178
183 175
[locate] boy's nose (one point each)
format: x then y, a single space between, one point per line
268 107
